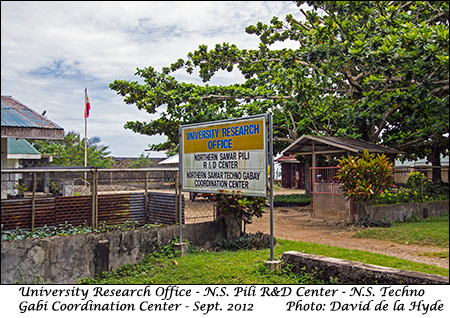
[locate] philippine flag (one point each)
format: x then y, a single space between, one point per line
87 108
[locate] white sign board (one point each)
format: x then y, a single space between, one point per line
227 157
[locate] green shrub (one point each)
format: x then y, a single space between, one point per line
243 207
65 229
437 190
415 180
399 197
406 196
256 241
368 222
366 177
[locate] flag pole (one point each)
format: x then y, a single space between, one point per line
85 151
86 114
85 142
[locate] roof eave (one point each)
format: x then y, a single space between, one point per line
32 133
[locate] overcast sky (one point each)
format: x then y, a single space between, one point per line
52 51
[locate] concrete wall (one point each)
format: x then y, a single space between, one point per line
65 260
348 272
401 212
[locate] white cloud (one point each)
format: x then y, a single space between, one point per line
51 51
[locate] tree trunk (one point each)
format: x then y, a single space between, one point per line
436 163
232 225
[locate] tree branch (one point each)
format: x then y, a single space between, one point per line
437 16
419 141
282 139
438 90
313 121
384 122
294 130
225 97
352 81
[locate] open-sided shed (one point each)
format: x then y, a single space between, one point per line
330 145
326 193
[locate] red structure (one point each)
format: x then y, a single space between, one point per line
292 172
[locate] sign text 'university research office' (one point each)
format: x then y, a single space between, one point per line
225 157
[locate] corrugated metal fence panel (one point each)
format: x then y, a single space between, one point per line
113 209
17 213
75 210
44 213
119 208
163 208
137 207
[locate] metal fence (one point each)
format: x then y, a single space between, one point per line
328 201
401 174
51 196
327 198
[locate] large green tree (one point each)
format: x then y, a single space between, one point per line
70 151
373 70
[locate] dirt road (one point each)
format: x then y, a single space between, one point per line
295 223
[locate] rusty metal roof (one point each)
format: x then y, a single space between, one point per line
287 159
16 114
329 145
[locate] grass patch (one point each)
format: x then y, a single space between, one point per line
436 254
359 256
294 199
431 231
225 267
241 267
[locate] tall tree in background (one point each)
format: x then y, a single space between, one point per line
70 151
372 70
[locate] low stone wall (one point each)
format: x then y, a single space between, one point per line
401 212
349 272
67 259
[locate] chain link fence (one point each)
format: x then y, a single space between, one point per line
327 197
328 201
51 196
401 174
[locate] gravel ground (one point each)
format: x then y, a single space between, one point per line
295 223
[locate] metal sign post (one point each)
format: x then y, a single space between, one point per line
179 181
181 246
229 157
272 264
271 183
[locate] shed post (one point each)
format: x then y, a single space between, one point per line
313 165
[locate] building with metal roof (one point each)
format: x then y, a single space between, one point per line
21 149
327 145
20 121
171 161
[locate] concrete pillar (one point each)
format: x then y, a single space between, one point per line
274 265
101 257
182 247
